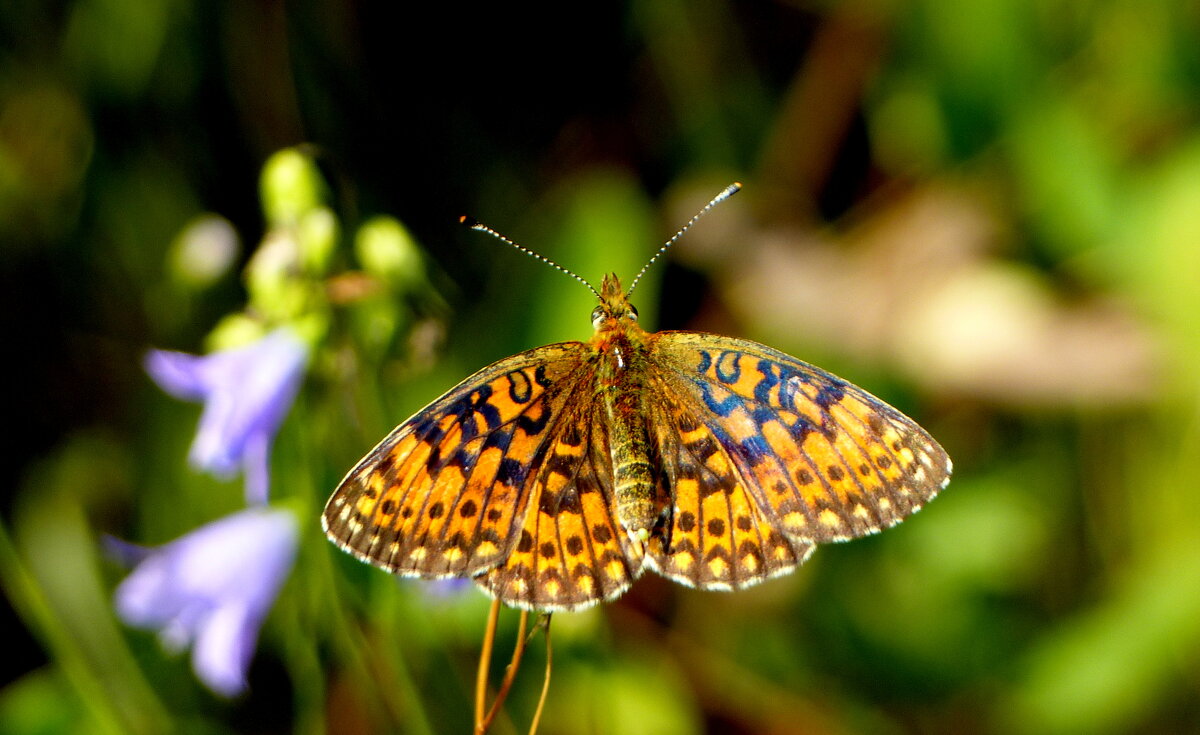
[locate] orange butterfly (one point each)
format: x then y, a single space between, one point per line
553 478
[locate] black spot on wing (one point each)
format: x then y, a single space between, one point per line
497 440
561 464
533 425
435 457
704 447
511 472
519 388
829 394
429 430
571 436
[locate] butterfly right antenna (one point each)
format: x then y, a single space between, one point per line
727 192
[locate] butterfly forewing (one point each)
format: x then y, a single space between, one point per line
442 494
823 459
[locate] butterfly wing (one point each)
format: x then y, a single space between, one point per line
822 459
442 495
504 478
571 551
714 536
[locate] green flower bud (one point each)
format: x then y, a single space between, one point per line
317 235
234 330
387 251
271 270
290 186
204 251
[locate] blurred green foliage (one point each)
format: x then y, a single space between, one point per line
988 213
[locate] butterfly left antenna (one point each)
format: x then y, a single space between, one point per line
729 191
477 225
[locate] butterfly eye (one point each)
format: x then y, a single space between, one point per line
632 314
597 317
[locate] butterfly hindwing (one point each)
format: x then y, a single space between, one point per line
442 495
823 459
714 535
571 552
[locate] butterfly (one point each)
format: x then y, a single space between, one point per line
554 478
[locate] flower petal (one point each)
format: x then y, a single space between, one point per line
244 555
256 463
177 373
246 391
251 393
224 645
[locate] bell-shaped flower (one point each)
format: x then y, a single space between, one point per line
211 590
247 392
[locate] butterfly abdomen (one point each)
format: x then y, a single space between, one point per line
632 479
623 391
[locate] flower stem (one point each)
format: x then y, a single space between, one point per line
510 673
537 714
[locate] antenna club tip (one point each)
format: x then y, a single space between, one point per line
467 221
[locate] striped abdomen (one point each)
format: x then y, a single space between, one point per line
629 446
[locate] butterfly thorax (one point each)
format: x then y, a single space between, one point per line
622 350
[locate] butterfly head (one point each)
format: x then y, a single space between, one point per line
614 308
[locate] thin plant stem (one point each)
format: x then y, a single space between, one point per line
510 673
485 660
537 714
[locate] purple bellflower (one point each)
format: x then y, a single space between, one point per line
247 392
211 589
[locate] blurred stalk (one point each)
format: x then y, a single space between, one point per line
387 660
304 666
800 152
382 678
30 600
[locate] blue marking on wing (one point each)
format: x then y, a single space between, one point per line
720 408
729 368
829 394
770 372
753 449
